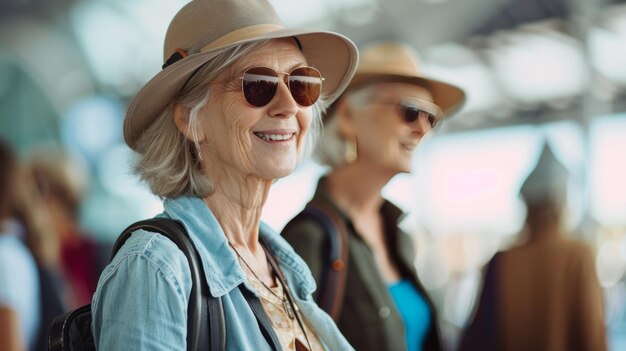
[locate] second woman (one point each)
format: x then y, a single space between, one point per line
370 136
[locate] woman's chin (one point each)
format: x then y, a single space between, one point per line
276 172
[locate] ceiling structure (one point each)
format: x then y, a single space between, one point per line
478 44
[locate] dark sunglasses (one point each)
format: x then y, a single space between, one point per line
261 83
410 111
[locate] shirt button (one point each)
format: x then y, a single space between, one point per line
384 312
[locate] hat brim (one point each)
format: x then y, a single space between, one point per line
334 55
448 97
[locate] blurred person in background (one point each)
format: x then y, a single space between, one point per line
370 136
237 102
29 282
62 182
542 295
19 285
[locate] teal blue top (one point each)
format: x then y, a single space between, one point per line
414 311
142 296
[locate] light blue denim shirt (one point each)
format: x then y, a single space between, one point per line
142 296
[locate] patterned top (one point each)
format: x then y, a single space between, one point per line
287 330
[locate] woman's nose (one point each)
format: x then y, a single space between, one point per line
422 125
283 104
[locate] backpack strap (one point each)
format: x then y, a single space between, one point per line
205 312
334 274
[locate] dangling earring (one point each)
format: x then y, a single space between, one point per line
351 152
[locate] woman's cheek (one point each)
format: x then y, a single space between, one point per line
305 125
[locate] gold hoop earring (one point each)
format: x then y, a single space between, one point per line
351 150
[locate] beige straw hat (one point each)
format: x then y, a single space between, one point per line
395 62
203 27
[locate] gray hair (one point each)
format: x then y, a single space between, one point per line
332 148
167 161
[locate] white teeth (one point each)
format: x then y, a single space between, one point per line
274 137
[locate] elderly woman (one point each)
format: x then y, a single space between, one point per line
378 122
234 108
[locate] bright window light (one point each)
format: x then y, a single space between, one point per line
289 195
540 67
608 170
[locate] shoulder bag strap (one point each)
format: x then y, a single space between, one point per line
332 289
204 311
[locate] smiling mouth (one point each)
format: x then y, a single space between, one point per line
274 137
408 147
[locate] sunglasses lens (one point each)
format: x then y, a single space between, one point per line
305 84
259 85
411 114
432 120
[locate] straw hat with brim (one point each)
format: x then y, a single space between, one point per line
391 62
203 28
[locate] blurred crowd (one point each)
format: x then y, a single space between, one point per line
543 290
48 262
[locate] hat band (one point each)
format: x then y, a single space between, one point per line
398 69
241 34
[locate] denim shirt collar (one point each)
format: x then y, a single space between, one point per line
221 267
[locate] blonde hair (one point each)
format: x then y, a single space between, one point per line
167 161
59 174
41 238
21 201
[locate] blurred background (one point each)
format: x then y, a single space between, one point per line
532 70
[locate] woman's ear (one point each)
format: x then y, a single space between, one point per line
181 118
345 114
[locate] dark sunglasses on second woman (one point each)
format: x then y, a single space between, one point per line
260 84
411 110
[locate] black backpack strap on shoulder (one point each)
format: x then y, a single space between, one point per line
333 280
205 313
206 328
